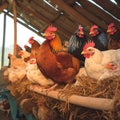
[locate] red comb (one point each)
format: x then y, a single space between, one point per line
93 27
25 46
80 26
31 38
51 29
89 44
111 24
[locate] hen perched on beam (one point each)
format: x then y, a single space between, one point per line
76 43
99 38
113 36
100 65
55 63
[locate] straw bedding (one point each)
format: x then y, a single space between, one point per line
85 86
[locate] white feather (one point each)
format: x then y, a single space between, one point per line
95 65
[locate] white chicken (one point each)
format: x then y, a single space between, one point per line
15 74
35 76
17 70
24 55
100 65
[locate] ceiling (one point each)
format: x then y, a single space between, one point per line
66 15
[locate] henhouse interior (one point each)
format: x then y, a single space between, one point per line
60 60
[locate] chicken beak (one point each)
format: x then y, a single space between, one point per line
108 30
82 33
91 33
44 34
83 52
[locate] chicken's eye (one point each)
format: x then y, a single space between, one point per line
51 33
89 49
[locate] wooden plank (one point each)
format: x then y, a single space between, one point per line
3 6
38 16
118 2
90 16
110 7
98 12
15 27
70 2
71 12
89 102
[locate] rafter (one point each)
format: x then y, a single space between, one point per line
3 6
110 7
71 12
118 2
40 17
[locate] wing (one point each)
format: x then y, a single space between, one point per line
103 39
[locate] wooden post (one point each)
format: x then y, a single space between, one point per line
89 102
15 26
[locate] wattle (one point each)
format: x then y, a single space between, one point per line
87 55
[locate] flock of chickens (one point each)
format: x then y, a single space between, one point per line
49 64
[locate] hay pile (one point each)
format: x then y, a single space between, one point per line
85 86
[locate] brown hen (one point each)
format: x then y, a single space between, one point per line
113 36
34 47
55 63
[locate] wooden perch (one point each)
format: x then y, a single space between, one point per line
89 102
15 26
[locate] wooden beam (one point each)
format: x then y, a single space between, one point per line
89 102
70 2
71 12
15 26
110 7
38 16
3 6
90 16
98 12
34 14
118 2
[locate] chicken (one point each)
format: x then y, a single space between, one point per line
100 65
35 76
113 36
81 73
27 48
34 48
16 62
24 55
18 48
17 69
55 63
76 43
99 38
15 74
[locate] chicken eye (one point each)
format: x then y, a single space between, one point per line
90 49
51 33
